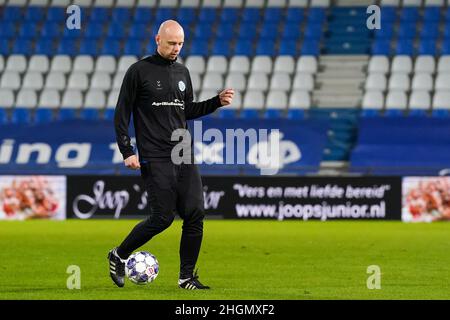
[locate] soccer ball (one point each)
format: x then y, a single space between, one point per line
142 267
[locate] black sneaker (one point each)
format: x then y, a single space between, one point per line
192 283
116 268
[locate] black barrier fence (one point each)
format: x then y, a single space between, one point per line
238 197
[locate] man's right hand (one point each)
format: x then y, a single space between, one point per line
132 162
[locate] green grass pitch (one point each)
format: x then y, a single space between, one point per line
289 260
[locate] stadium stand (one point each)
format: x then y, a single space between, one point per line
295 59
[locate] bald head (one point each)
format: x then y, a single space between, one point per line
170 39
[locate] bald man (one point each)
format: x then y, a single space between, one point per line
157 91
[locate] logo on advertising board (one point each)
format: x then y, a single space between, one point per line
108 197
119 196
309 198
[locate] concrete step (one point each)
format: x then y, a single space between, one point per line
344 73
344 91
343 82
334 101
343 58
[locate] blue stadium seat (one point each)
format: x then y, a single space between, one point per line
89 46
45 46
296 114
34 13
94 30
111 47
21 116
99 14
316 15
188 34
186 16
269 31
28 31
12 13
410 14
430 30
4 46
386 32
7 30
447 14
150 48
249 114
207 14
294 15
427 47
133 47
310 47
405 46
288 48
407 30
163 14
116 31
139 31
221 47
290 32
389 13
229 15
225 31
51 30
273 15
446 31
266 47
381 47
56 14
66 46
72 34
22 46
43 115
313 31
247 31
142 15
199 47
432 14
244 47
273 114
203 31
250 15
121 15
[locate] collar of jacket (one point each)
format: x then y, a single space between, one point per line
159 59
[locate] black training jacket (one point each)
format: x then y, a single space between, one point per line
158 92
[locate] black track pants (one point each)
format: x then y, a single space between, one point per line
171 188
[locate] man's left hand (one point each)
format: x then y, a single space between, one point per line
226 96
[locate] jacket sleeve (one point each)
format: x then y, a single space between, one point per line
194 110
124 108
